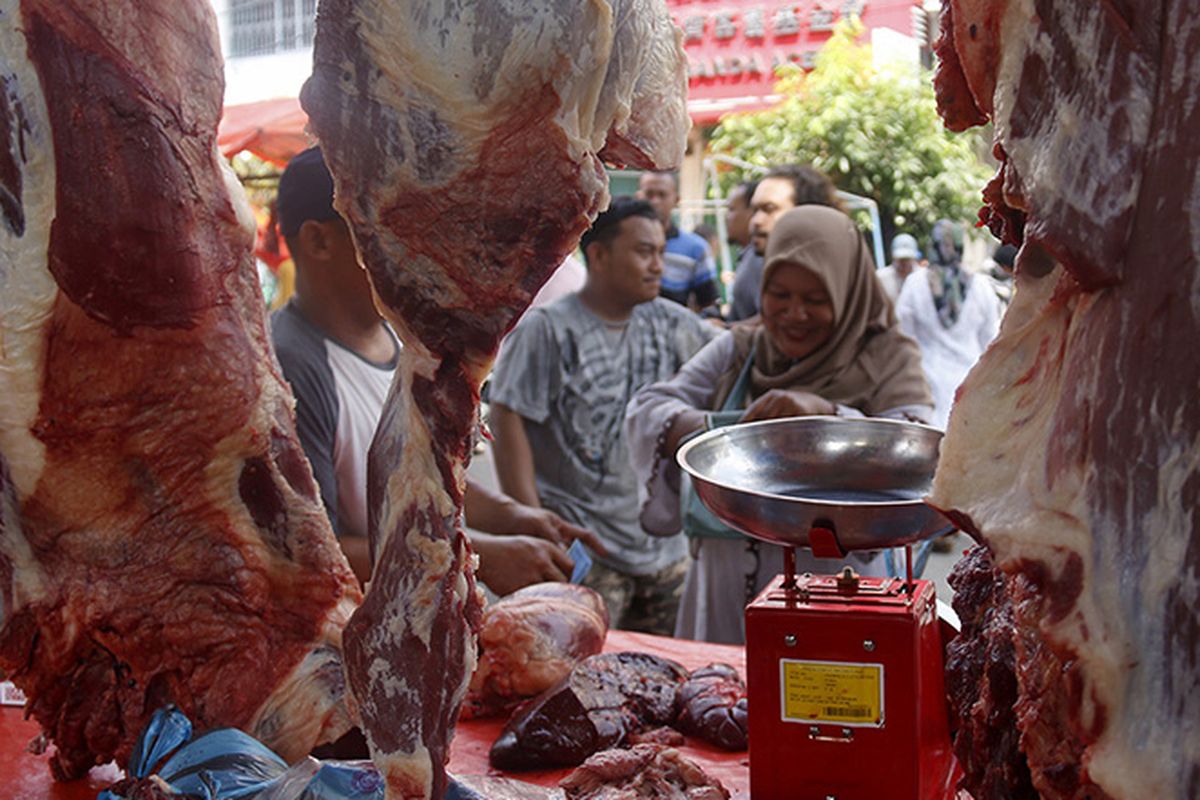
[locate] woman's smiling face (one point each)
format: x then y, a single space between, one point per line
797 311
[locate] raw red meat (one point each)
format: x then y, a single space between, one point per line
643 771
713 706
1073 451
981 681
463 140
161 536
604 700
530 640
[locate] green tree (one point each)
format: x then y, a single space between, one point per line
874 131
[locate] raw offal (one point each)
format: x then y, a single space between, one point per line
643 771
602 702
713 707
530 640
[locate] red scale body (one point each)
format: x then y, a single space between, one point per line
804 638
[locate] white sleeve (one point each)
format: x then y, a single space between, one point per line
650 415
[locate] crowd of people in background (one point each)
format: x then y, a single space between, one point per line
626 354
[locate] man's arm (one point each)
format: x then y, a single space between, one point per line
508 563
513 455
492 512
357 550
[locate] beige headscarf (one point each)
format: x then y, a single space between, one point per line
867 363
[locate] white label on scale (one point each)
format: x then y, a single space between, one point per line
844 693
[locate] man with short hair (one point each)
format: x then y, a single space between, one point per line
748 276
689 272
782 188
558 398
905 255
339 357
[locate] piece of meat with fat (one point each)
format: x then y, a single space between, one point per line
161 535
530 640
1073 450
642 771
464 188
604 700
713 707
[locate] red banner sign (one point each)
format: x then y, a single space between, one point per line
734 46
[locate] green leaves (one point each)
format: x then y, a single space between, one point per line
874 131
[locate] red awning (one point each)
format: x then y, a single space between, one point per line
274 129
271 129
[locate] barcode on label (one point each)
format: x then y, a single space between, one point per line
857 713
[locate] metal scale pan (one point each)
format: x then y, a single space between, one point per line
860 480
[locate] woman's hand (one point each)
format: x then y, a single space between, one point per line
779 403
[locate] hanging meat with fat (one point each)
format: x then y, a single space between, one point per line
465 141
161 536
1073 451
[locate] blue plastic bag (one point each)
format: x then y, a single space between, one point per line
228 764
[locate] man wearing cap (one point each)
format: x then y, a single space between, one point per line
340 357
905 255
558 398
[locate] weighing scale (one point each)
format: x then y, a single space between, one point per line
844 673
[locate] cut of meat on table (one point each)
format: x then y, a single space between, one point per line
161 535
713 707
1073 451
643 771
465 141
530 640
602 702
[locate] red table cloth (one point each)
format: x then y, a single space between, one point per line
24 776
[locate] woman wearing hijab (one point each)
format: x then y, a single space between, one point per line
826 343
951 315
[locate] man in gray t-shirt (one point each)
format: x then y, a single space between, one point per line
558 397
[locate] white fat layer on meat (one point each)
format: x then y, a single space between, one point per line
27 294
308 706
993 467
27 289
1150 768
237 196
414 767
434 51
1064 149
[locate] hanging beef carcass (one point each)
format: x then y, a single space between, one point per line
1073 451
465 141
161 536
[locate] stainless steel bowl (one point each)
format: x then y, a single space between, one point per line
862 478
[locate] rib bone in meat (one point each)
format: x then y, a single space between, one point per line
465 141
1074 447
161 535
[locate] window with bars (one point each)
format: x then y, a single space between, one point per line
261 27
